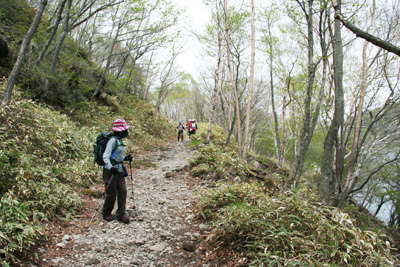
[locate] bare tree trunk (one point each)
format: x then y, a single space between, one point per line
53 32
146 91
216 83
166 79
379 207
223 114
327 159
108 62
228 52
21 56
276 122
283 142
356 135
228 108
251 82
306 134
284 126
231 126
92 35
339 95
58 50
128 82
122 65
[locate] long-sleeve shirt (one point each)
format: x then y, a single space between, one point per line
117 155
180 127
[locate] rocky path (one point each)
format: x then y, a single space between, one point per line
163 230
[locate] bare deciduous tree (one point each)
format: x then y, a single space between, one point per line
216 78
232 80
22 53
253 51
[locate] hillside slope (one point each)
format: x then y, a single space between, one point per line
46 159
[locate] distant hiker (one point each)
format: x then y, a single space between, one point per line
181 128
114 173
193 127
188 126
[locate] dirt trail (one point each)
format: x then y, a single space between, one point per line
163 230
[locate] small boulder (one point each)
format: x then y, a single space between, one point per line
92 261
189 246
159 247
169 175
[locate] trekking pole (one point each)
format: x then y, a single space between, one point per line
133 196
102 196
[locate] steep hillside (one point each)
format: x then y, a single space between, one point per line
46 160
76 76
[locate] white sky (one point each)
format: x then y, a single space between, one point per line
195 18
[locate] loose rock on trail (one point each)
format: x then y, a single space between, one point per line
164 229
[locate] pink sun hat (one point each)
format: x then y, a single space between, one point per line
120 125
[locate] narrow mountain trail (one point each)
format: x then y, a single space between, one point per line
164 229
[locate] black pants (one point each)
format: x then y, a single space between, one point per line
180 135
117 188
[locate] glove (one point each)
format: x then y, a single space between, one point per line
128 158
114 170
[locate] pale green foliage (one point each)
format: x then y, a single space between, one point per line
50 197
218 136
288 230
216 157
19 228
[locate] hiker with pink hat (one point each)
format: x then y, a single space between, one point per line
114 173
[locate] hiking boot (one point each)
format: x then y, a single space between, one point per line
123 219
109 217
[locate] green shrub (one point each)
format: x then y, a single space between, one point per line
49 197
217 137
220 160
288 230
216 157
19 228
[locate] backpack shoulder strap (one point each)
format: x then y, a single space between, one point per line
116 145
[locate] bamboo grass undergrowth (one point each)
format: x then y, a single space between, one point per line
288 229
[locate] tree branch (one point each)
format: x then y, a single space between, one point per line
366 36
374 172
